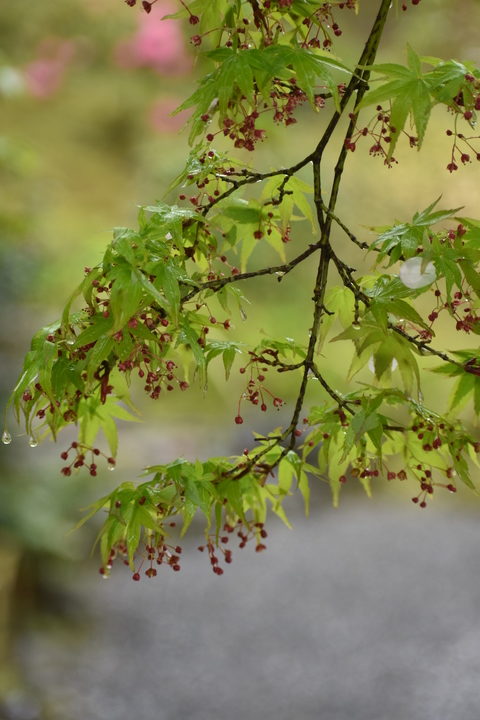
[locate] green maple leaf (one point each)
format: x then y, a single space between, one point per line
242 73
408 91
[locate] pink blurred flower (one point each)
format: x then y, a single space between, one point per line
157 44
44 76
161 117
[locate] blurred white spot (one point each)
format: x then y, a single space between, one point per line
11 81
371 365
412 276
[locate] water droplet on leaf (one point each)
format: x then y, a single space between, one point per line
6 438
32 441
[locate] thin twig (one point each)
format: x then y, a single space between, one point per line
282 270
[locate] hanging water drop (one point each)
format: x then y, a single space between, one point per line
355 326
32 441
6 438
111 468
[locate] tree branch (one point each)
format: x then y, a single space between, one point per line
282 270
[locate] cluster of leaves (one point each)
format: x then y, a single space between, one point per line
158 306
411 95
140 516
268 61
148 312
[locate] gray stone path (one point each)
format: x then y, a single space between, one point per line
365 613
